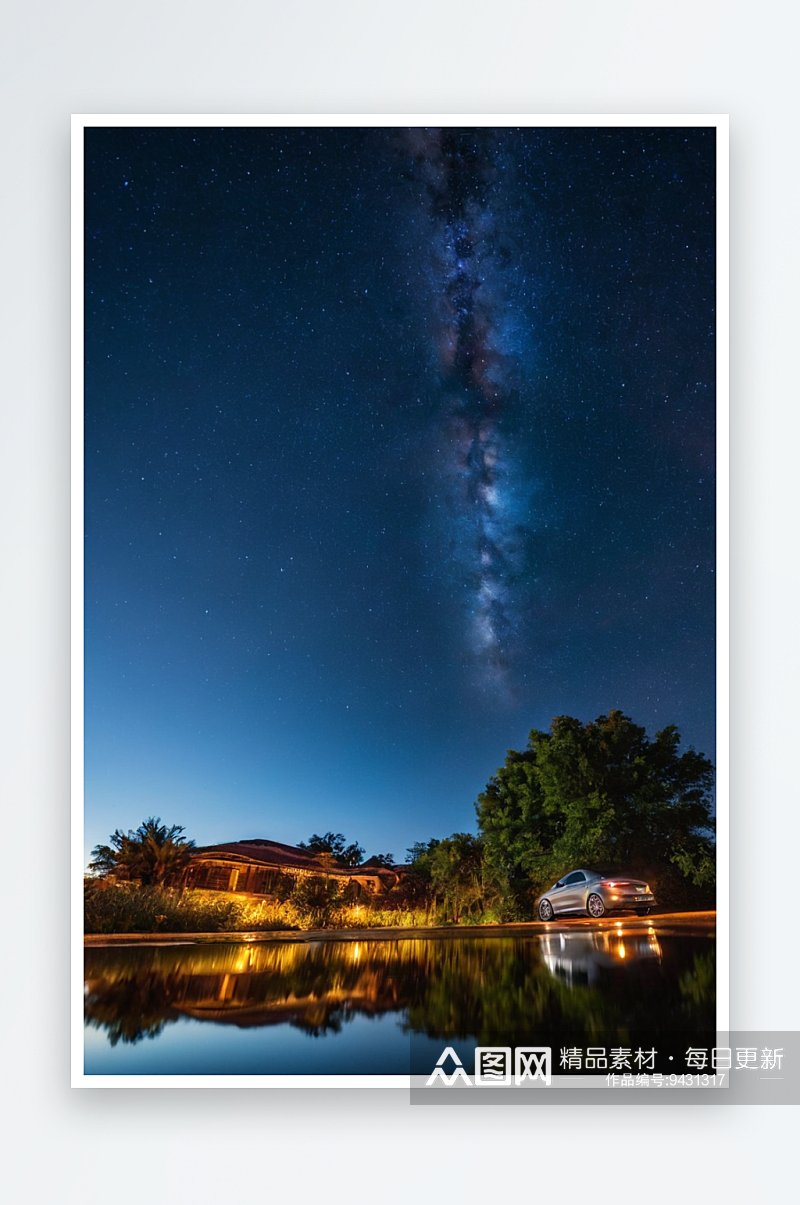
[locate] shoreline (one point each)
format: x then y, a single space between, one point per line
675 921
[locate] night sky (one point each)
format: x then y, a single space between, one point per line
398 444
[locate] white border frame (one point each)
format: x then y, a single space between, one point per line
79 123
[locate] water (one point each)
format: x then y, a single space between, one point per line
390 1006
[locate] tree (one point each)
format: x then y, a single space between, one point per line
602 792
416 885
382 860
334 845
151 854
418 852
457 873
447 874
517 827
317 897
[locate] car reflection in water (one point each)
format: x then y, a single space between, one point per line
578 959
249 1008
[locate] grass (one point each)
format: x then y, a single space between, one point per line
128 908
111 907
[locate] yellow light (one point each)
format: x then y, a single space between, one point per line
621 950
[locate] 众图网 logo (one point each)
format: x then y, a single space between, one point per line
495 1065
457 1073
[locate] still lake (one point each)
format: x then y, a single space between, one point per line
388 1006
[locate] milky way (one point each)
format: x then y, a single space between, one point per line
398 444
460 171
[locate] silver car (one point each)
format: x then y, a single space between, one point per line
589 891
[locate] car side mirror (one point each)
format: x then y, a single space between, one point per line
560 883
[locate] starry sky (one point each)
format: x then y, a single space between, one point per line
398 444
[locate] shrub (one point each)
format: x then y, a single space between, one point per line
111 907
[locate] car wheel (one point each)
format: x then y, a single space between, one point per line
595 906
545 910
642 911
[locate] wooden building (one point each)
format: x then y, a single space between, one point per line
258 867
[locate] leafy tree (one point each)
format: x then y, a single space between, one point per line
602 792
334 844
696 860
318 897
416 887
151 854
517 827
457 873
418 852
447 874
382 860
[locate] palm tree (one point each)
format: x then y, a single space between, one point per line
151 854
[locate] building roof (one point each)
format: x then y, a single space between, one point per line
275 853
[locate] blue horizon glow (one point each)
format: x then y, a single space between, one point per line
395 450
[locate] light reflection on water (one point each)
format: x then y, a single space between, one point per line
257 1007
